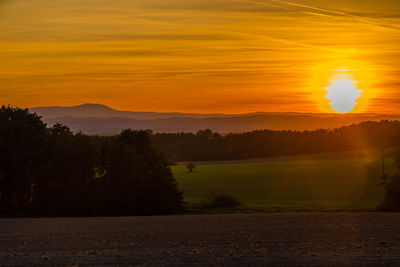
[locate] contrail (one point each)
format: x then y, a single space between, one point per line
332 13
310 7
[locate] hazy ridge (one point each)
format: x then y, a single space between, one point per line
100 119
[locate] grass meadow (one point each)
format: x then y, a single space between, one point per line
347 180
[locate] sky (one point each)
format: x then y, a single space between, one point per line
205 56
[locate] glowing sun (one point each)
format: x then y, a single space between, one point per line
342 92
342 85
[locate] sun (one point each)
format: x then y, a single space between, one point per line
342 85
342 92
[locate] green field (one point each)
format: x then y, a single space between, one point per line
329 181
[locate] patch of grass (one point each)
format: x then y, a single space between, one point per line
344 182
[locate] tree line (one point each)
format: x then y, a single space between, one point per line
49 171
207 145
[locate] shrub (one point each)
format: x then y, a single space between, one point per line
391 201
222 201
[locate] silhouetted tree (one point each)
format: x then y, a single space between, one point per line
64 187
190 166
23 138
51 171
137 178
206 145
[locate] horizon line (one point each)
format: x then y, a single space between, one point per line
212 113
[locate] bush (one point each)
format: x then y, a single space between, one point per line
222 201
391 201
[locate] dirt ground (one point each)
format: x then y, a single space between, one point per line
319 239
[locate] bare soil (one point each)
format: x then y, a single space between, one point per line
319 239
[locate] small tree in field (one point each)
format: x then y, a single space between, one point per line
190 166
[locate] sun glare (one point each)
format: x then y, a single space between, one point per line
342 85
342 92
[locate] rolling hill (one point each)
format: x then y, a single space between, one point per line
101 119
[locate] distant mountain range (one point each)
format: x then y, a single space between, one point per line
100 119
102 111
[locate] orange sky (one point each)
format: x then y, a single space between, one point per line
230 56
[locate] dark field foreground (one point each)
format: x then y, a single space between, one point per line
331 239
